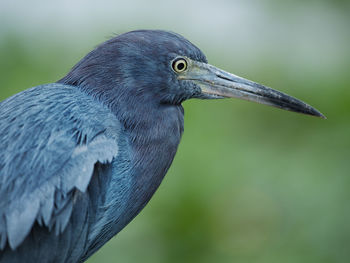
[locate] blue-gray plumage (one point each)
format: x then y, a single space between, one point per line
81 157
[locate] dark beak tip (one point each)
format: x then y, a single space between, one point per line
323 117
316 113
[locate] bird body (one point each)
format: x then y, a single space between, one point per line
80 158
59 131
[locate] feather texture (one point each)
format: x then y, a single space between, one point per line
51 138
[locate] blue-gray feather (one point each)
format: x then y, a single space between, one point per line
52 136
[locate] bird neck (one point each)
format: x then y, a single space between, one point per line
152 135
149 142
152 122
141 114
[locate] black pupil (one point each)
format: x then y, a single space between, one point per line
180 66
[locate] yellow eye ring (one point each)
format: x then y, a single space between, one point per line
179 65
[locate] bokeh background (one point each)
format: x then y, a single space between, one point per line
249 183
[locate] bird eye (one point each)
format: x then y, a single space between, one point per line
179 65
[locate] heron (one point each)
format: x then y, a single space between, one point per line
81 157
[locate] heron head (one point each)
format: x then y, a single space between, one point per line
160 67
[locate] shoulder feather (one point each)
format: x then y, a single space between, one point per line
51 137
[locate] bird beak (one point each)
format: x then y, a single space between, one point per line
217 83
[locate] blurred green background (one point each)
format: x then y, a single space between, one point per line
249 183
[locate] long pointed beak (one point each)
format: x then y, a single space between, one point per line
217 83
